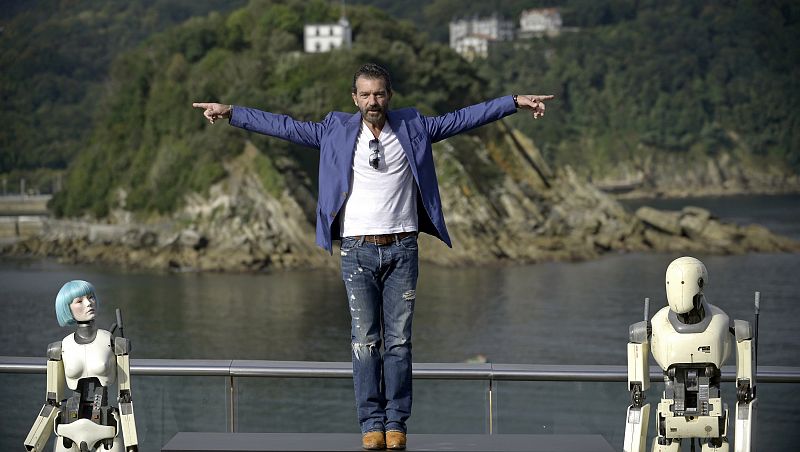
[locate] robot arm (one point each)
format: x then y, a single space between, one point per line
746 401
638 414
122 349
56 383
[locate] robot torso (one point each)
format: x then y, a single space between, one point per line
95 359
708 341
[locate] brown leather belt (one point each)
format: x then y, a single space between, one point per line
385 239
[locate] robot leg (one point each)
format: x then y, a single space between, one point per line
60 447
636 429
117 446
745 423
718 445
663 444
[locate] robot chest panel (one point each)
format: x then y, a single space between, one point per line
671 347
95 359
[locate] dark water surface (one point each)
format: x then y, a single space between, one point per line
553 313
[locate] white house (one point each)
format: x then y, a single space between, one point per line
471 37
326 37
541 21
473 46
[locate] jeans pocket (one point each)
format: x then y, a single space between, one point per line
409 243
348 243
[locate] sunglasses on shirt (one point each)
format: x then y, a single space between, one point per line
375 158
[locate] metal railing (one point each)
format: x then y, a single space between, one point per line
489 372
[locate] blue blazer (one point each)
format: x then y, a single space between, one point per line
336 136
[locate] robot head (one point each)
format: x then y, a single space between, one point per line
70 291
686 277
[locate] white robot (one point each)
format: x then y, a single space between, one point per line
88 362
690 339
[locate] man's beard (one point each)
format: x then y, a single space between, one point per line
373 115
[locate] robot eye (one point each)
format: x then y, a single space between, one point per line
700 282
681 282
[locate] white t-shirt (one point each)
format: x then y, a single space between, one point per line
383 200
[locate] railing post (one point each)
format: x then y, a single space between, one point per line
231 390
491 407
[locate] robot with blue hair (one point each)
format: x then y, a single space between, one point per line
690 340
87 362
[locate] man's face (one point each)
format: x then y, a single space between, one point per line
372 99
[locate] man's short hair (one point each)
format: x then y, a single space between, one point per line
373 71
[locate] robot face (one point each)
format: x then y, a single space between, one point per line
83 308
686 277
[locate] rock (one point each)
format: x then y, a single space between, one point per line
668 222
191 239
106 233
693 221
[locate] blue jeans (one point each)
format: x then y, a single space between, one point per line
381 283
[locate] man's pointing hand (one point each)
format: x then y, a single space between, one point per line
214 111
534 103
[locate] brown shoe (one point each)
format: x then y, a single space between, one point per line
395 440
373 441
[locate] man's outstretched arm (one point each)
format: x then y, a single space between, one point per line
447 125
280 126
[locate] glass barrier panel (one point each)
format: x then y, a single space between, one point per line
328 405
556 407
450 406
284 405
22 395
168 405
163 406
599 408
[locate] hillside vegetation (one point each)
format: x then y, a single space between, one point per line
695 79
149 147
106 91
55 56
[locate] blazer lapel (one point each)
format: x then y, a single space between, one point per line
400 128
348 151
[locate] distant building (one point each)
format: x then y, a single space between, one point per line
539 22
326 37
471 37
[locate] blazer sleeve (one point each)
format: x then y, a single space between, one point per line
447 125
304 133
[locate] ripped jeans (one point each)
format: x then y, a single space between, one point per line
381 284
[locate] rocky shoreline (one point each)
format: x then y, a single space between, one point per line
502 204
665 175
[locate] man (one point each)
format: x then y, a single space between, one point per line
377 190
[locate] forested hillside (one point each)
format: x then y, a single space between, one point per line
642 77
637 83
693 79
54 60
149 147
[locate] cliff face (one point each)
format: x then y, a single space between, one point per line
502 203
661 174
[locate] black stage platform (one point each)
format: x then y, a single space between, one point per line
313 442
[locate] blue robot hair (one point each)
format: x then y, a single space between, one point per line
70 291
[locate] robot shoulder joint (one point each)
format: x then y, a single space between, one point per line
742 330
54 351
638 332
122 346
